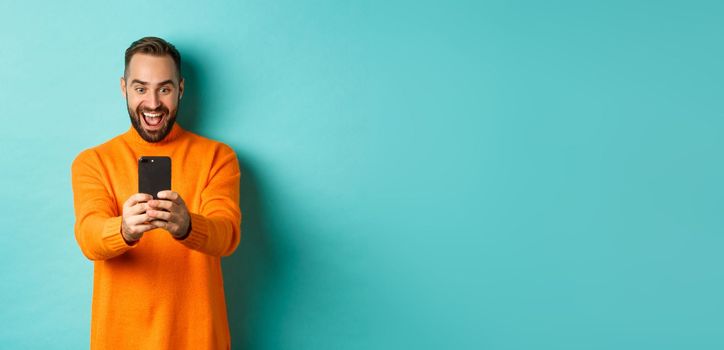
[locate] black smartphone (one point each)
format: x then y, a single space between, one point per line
154 175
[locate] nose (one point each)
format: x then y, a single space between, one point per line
153 101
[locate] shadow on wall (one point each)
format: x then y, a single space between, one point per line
253 271
191 106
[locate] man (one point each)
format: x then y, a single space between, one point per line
157 281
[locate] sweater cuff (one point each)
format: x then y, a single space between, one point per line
112 239
199 232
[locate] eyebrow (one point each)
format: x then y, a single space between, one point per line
136 81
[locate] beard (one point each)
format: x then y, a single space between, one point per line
169 118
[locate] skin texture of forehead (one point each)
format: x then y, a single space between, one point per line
151 69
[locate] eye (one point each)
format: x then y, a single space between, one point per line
165 90
140 90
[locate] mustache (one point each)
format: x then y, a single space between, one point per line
160 109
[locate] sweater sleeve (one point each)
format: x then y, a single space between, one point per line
97 222
216 227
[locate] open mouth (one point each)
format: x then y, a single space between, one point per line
152 119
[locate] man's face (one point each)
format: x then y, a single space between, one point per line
152 90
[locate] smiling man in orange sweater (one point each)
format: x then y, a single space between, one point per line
157 281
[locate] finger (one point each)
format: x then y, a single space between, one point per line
137 231
168 194
168 226
136 220
161 204
159 223
159 214
137 198
139 208
143 228
172 196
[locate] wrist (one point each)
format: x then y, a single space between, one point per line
188 231
126 237
128 240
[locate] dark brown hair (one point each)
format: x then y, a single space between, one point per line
153 46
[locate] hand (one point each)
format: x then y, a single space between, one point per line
171 211
135 218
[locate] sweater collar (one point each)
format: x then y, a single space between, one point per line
133 137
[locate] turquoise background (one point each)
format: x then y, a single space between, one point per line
416 174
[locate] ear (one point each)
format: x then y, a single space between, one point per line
181 89
123 87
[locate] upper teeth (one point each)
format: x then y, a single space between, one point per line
152 115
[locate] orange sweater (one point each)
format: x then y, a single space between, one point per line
160 293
